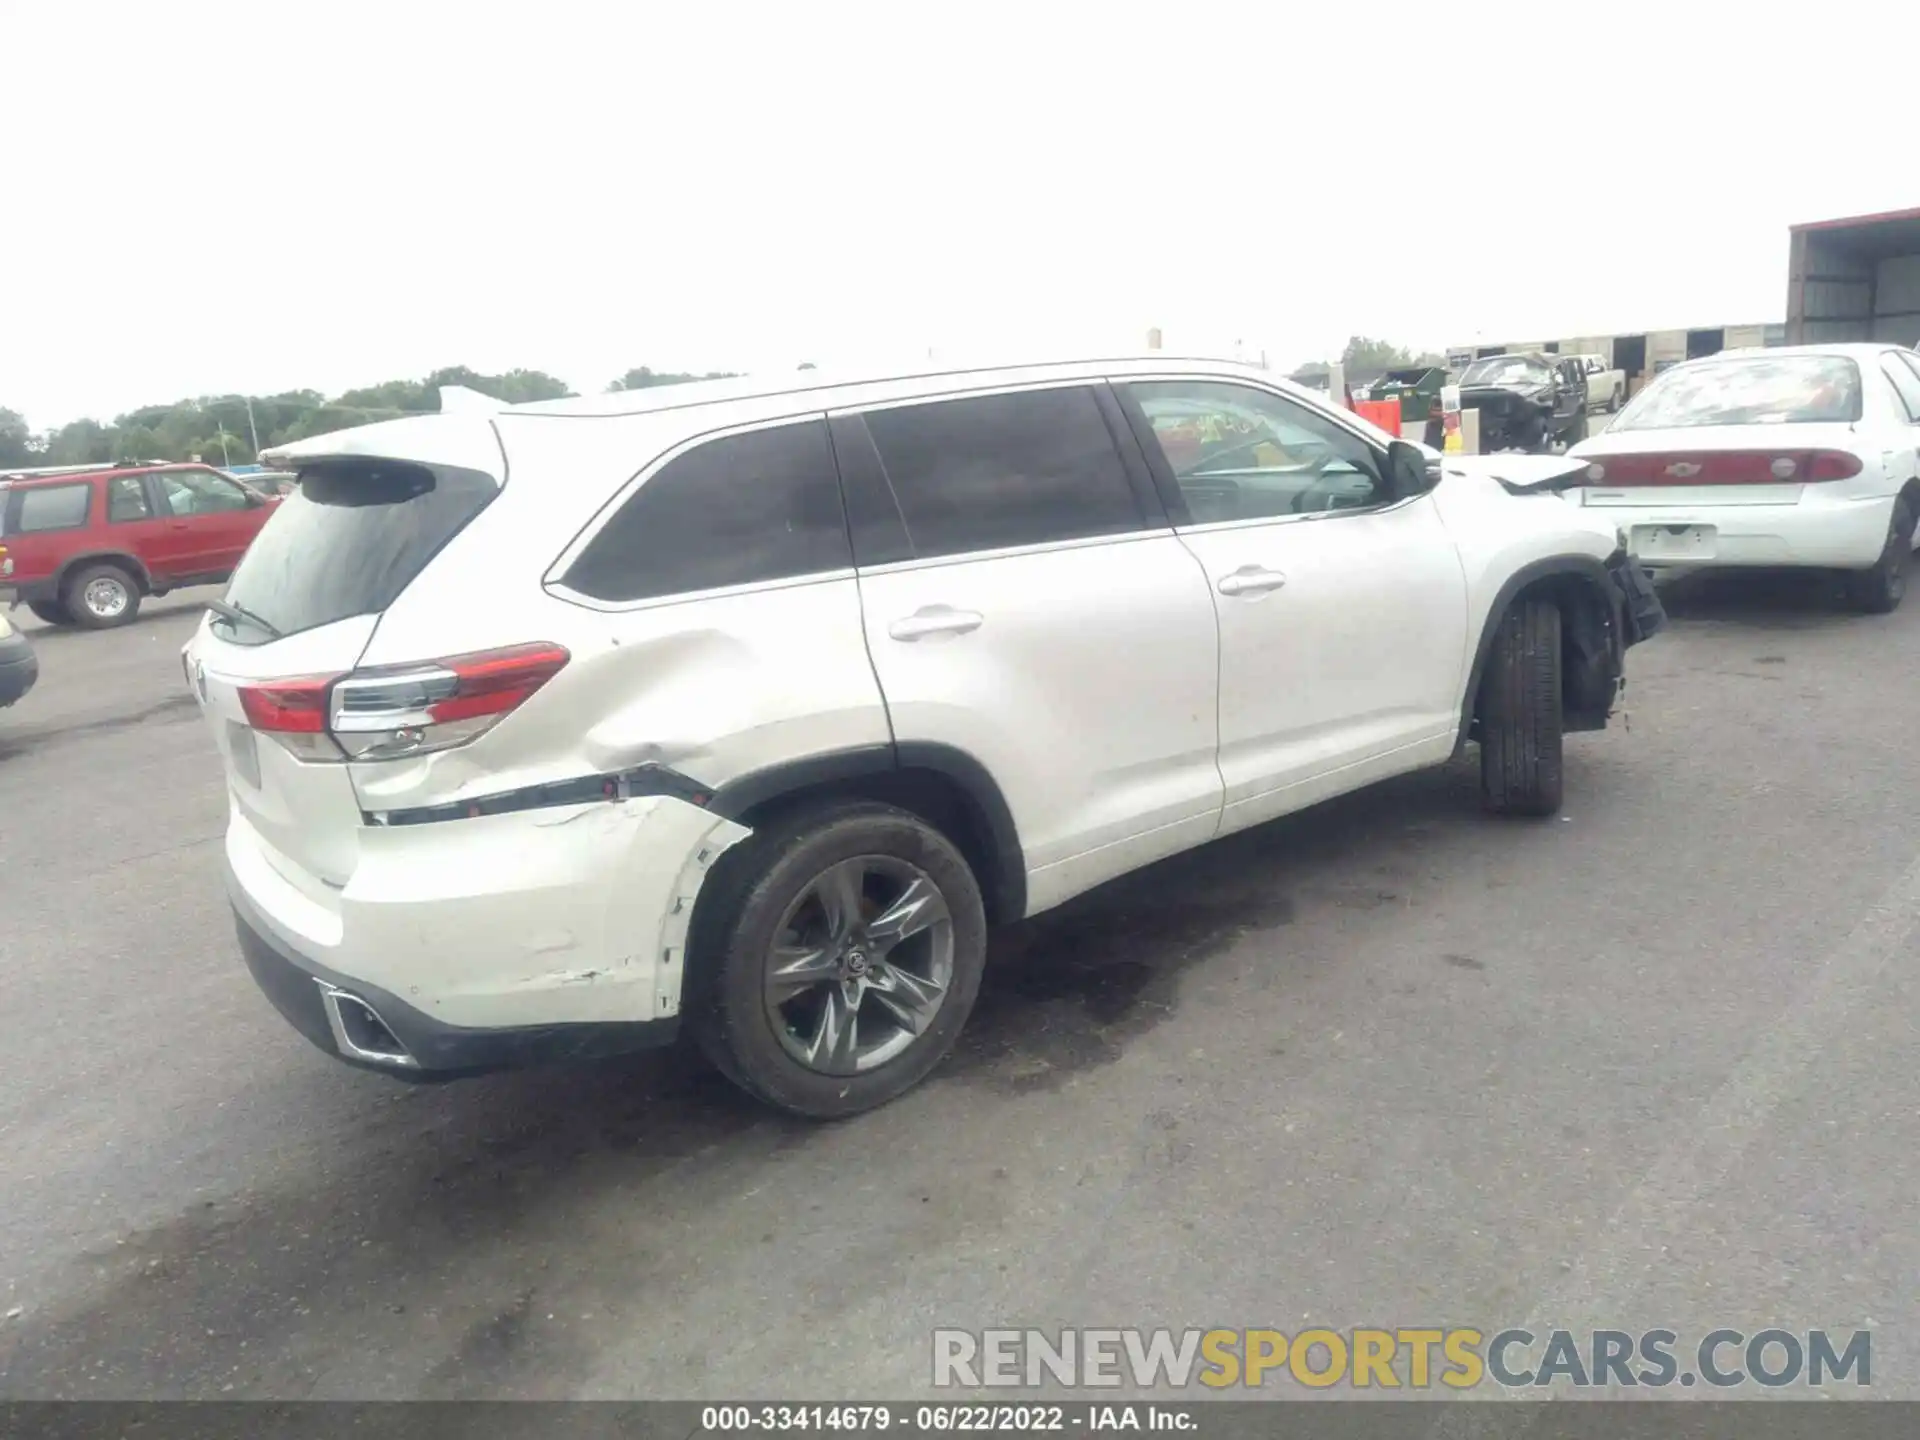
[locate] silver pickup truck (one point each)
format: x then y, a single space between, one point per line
1606 387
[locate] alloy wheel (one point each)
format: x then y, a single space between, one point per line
861 965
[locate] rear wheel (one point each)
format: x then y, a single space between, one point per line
102 596
1879 589
51 611
1613 401
1520 720
838 956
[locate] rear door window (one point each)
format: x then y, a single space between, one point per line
348 540
744 509
996 471
40 508
127 499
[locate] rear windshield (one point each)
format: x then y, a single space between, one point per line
1505 370
1763 390
347 541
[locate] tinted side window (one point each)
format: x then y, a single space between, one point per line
1905 382
1004 470
1237 453
127 499
735 511
52 507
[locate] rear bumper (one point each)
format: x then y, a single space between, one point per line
1827 534
308 996
485 942
19 668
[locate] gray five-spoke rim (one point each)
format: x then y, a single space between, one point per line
105 597
860 966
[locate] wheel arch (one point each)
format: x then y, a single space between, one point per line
942 784
1574 582
121 559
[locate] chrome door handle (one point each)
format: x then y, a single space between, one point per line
1251 580
935 620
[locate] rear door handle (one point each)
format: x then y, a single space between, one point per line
1251 580
935 620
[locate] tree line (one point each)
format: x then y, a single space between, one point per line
223 429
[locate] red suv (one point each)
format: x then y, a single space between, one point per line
85 548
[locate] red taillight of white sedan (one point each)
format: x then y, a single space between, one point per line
1724 467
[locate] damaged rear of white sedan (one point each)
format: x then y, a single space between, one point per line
1803 457
748 706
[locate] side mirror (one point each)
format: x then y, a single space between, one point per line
1407 470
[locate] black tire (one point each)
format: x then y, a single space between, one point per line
1575 432
1879 589
51 611
1520 720
1613 400
74 597
752 890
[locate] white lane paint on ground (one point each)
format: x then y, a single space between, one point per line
1660 1209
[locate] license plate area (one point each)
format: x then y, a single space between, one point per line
243 753
1672 542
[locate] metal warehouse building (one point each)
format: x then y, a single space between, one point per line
1852 279
1855 279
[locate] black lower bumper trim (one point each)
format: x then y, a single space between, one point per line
444 1052
1642 614
17 673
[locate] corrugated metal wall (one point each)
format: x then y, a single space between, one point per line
1834 290
1896 300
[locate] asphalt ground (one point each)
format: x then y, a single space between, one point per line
1387 1062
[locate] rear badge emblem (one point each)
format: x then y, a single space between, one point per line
1683 469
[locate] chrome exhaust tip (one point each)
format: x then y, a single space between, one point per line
360 1032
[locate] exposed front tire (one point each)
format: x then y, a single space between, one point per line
1879 589
51 611
1520 719
838 956
101 597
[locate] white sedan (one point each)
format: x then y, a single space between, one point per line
1797 456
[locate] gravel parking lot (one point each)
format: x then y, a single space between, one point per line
1387 1062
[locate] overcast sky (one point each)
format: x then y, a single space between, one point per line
205 197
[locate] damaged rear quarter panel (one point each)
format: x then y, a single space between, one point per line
539 916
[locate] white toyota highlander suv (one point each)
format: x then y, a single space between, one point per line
753 703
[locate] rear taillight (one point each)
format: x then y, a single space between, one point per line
1724 467
399 710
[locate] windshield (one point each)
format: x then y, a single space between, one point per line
1505 370
1762 390
347 541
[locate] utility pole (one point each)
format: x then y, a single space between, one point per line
252 428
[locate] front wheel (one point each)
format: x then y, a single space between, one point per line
840 953
1520 713
1613 403
1879 589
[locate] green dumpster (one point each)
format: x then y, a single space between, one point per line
1416 387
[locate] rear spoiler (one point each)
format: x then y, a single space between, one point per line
1522 474
465 438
